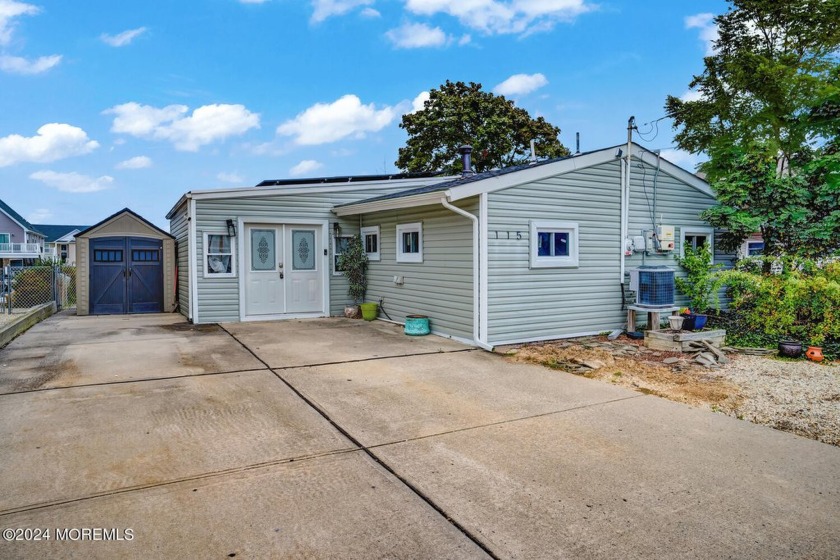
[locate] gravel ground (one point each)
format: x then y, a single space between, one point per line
796 396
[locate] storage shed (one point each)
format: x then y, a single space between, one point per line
126 264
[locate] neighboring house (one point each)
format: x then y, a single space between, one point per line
519 254
20 242
60 242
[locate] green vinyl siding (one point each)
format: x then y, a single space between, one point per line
179 228
218 298
531 304
440 287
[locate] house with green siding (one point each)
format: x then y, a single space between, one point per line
528 253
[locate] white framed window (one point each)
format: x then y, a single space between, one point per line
219 256
754 248
554 244
340 244
696 237
370 241
410 243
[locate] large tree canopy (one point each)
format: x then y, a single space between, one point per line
458 113
767 118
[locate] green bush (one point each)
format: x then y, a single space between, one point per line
801 301
353 263
32 286
700 284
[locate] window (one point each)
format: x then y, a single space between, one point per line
696 238
107 255
340 244
370 241
410 243
4 238
554 244
144 255
755 248
218 251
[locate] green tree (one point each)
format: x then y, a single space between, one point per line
458 113
767 118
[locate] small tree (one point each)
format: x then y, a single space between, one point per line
353 263
700 283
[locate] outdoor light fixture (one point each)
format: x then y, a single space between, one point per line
336 229
231 227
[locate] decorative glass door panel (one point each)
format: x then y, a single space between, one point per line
265 291
304 288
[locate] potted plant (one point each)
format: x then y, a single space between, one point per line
790 348
699 285
353 263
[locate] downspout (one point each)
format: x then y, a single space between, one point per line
476 284
623 225
193 259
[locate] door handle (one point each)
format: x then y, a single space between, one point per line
282 275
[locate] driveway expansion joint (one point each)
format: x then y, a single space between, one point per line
419 493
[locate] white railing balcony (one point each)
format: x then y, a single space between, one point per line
20 249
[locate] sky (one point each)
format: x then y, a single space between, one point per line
106 105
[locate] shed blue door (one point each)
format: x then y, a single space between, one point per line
126 275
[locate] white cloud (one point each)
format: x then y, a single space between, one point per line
708 29
465 40
418 103
329 122
207 124
417 35
39 215
304 167
370 13
229 178
10 9
521 84
682 158
137 162
72 182
54 141
498 17
692 95
20 65
122 39
324 9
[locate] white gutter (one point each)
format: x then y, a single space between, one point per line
193 270
477 338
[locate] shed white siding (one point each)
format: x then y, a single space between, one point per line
179 228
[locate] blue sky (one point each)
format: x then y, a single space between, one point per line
109 104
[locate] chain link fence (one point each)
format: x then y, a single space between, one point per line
25 287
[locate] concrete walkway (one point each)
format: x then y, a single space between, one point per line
343 439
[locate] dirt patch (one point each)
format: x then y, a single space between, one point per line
630 364
189 327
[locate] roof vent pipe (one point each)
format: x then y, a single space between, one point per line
577 142
466 161
533 152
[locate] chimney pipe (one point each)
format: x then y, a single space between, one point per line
466 161
577 142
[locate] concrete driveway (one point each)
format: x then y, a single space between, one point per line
343 439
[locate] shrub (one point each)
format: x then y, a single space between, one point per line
32 286
353 263
800 302
700 284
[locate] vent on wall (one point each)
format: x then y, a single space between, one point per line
654 286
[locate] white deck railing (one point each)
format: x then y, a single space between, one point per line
20 248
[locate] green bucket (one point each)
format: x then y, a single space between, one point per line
417 325
369 311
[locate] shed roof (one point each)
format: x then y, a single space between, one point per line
129 212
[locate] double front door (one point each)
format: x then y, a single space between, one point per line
283 271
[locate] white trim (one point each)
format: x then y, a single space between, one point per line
220 233
334 255
475 268
325 269
570 261
483 305
423 199
698 230
192 251
372 230
410 257
544 338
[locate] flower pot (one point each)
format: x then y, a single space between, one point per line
369 311
700 321
352 311
676 322
417 325
688 322
790 348
814 353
